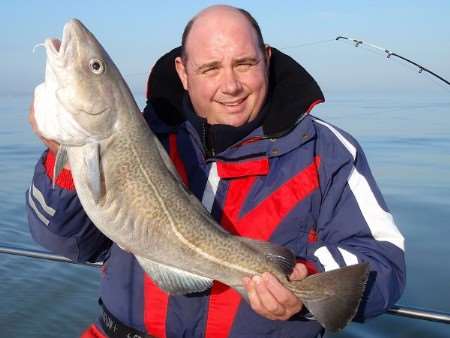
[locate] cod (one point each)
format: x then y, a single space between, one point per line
131 191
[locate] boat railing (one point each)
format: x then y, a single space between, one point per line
396 310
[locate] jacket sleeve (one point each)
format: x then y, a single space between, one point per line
354 224
56 218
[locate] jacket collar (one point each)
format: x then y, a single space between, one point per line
257 145
292 93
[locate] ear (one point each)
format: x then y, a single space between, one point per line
268 55
181 70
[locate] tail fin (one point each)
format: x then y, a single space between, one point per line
333 297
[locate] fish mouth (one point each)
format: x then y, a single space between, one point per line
58 49
54 45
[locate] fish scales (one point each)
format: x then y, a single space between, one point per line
148 191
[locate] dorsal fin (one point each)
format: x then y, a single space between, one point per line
195 202
167 161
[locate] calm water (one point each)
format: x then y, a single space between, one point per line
407 141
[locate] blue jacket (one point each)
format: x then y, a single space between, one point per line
295 180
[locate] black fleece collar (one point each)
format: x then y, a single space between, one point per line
292 92
216 138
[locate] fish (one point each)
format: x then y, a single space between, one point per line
131 191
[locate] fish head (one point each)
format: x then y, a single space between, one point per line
78 102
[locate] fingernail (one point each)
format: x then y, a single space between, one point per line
257 279
266 276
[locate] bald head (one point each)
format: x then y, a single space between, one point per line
221 16
225 67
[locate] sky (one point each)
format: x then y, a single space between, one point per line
137 33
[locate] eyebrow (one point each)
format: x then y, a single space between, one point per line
249 59
217 64
208 65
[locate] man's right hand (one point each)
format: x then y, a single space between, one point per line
52 145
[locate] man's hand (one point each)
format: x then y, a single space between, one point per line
269 298
52 145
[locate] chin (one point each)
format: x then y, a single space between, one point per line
235 122
235 119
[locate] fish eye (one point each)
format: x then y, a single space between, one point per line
97 66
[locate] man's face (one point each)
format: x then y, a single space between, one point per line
225 74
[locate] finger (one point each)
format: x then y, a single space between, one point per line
279 292
267 300
31 118
52 145
300 272
253 298
33 123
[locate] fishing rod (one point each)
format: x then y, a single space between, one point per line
418 313
396 310
43 255
390 53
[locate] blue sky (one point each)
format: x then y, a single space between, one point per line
136 33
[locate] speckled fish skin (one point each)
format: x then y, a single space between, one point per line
131 192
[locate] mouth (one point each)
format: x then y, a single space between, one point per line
233 104
53 45
57 48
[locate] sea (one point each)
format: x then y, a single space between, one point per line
406 139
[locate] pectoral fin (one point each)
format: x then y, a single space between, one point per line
91 155
173 280
60 162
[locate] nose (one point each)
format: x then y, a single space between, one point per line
231 83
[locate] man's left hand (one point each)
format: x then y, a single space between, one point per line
269 298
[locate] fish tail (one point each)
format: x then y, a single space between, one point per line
333 297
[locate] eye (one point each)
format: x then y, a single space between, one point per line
209 71
97 66
244 66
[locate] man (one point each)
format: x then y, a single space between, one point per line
233 116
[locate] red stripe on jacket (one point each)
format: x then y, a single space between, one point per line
64 179
244 168
312 105
92 332
224 301
273 209
156 301
176 158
